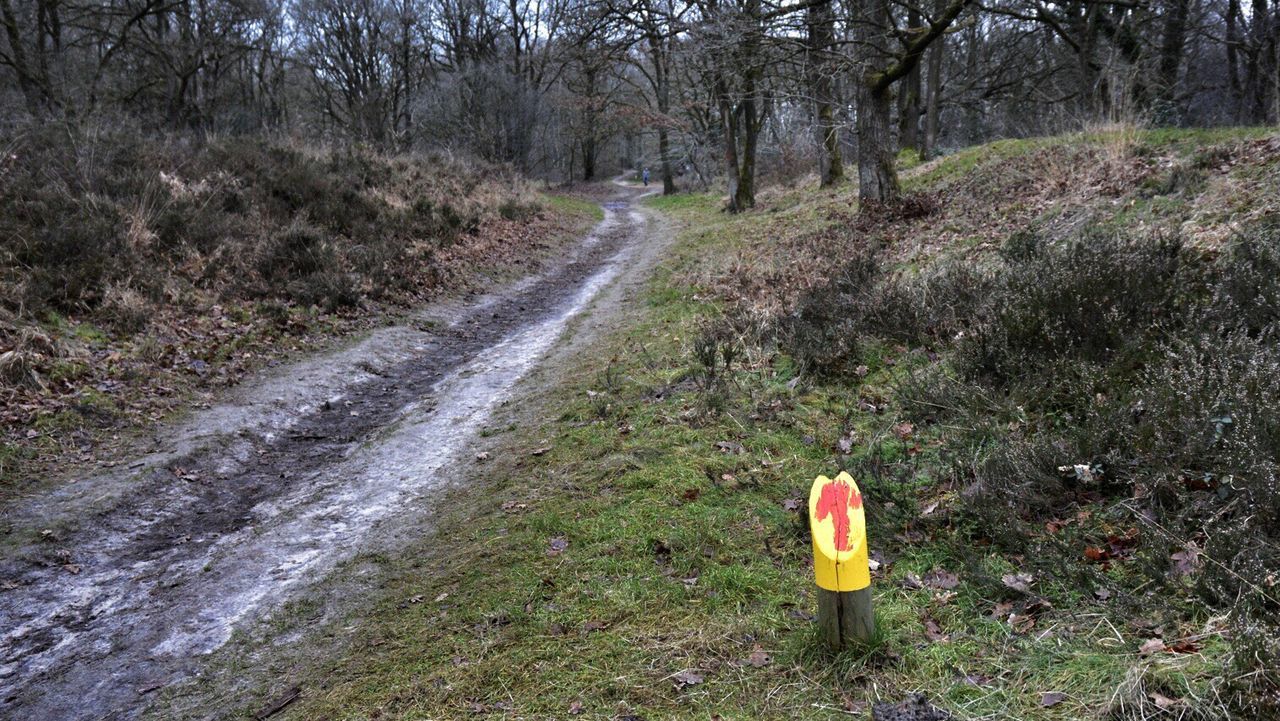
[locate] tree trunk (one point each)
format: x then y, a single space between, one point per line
729 131
664 155
909 99
745 195
1233 69
821 26
661 80
589 151
1172 44
877 176
27 82
933 101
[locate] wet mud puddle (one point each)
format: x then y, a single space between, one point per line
119 584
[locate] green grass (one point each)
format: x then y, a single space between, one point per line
684 202
682 557
571 206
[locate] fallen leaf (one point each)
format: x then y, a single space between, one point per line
1102 594
933 631
1054 526
1049 699
1001 610
1184 646
1186 560
1150 646
1020 582
557 546
911 580
792 504
1021 622
977 679
691 494
575 708
590 626
904 430
540 451
845 445
1096 554
941 578
1162 702
731 448
688 678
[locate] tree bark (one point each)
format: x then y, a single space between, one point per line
877 174
909 98
933 100
661 81
745 196
1233 68
27 81
1172 45
821 39
664 155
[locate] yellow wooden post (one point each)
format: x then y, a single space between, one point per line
839 529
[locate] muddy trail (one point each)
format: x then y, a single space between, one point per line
115 586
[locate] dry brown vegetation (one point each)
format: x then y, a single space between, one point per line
132 268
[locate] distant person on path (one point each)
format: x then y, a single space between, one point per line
646 177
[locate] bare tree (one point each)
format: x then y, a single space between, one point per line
885 56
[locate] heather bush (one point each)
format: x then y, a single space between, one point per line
1129 376
869 300
109 221
1092 299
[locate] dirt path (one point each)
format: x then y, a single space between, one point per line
114 586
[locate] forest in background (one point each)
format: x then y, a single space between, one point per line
703 90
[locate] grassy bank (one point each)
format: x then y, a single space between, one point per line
140 274
643 553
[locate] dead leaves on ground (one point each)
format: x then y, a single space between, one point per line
936 578
557 546
1020 582
1049 699
1157 645
687 678
758 658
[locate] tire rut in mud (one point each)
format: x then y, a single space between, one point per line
64 651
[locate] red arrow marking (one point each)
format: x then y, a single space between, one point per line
836 500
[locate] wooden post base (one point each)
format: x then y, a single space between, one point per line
845 618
